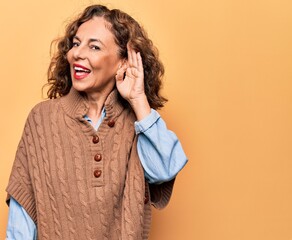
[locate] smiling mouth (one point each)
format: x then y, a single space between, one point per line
80 72
80 69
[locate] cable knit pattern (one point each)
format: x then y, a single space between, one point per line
78 183
114 166
21 155
81 185
61 173
42 143
43 226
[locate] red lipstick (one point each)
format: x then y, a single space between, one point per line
80 71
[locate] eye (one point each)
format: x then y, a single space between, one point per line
75 44
94 47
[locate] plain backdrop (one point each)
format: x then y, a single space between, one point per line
228 80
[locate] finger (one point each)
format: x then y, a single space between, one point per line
132 72
130 60
119 76
134 59
121 72
139 62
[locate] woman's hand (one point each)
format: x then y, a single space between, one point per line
132 86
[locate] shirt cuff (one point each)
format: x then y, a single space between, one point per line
146 122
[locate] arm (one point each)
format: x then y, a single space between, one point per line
20 224
130 84
20 197
159 149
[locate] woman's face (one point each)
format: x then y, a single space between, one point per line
94 58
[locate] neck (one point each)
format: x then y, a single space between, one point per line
95 103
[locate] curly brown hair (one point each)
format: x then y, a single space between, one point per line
126 31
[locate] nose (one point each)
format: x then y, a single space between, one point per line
79 52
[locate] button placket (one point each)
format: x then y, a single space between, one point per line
97 164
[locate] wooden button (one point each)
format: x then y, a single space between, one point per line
97 173
98 157
95 139
111 123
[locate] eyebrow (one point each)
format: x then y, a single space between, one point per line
90 40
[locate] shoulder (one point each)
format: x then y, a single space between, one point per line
46 104
45 108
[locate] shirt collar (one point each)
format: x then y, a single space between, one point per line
76 105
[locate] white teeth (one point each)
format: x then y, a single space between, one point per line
78 68
81 69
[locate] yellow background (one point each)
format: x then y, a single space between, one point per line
229 82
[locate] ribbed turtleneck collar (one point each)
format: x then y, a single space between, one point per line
76 105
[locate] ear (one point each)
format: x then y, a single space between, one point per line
123 63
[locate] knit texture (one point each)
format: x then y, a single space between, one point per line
78 183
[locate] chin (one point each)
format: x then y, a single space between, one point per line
78 87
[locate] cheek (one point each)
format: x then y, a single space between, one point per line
106 63
113 61
69 56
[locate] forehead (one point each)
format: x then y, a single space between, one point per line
97 28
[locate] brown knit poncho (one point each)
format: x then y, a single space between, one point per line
78 183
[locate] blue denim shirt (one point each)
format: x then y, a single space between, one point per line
160 153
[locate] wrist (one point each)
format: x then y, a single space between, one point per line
141 107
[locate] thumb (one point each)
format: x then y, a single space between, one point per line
120 73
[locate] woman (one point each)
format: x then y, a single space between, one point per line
94 158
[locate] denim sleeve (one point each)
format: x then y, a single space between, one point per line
20 225
159 149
